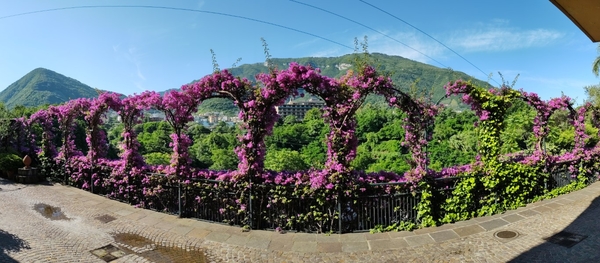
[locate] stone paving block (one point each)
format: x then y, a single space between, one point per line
355 237
124 212
113 208
400 234
419 240
428 230
543 209
329 247
103 205
529 213
462 223
469 230
443 235
186 221
513 218
554 205
304 237
198 233
489 225
575 196
263 234
91 203
563 201
164 225
480 219
258 242
181 230
236 230
163 216
355 246
328 238
509 212
237 240
217 236
376 245
215 227
281 243
136 216
302 246
377 236
150 221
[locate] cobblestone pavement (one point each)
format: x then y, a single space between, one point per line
54 223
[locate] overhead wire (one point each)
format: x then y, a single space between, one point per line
425 33
370 28
176 9
268 23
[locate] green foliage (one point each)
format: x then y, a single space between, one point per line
463 204
285 160
10 162
223 159
215 150
156 158
425 208
221 105
154 137
398 226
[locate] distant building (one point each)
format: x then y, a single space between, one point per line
157 117
298 108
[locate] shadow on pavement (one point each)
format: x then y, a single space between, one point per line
586 229
10 243
4 181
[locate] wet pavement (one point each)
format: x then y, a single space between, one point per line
55 223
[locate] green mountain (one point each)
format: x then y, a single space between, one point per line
42 86
408 75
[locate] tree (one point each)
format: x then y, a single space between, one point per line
593 93
284 160
596 64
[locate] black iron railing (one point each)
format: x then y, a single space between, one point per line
376 205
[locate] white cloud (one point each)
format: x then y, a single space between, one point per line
139 72
332 52
554 87
406 44
200 4
499 36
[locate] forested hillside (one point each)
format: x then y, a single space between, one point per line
408 75
42 86
300 144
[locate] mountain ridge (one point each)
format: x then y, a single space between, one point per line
43 86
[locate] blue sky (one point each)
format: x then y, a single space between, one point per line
130 50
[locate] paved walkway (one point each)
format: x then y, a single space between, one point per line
54 223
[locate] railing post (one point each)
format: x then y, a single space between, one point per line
339 208
92 180
129 188
179 197
250 205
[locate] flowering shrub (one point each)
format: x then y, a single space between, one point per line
544 111
492 184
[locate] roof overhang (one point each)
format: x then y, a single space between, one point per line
584 13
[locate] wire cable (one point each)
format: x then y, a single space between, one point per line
444 45
365 26
175 9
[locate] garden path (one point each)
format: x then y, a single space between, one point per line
55 223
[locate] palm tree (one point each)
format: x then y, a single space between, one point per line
596 64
